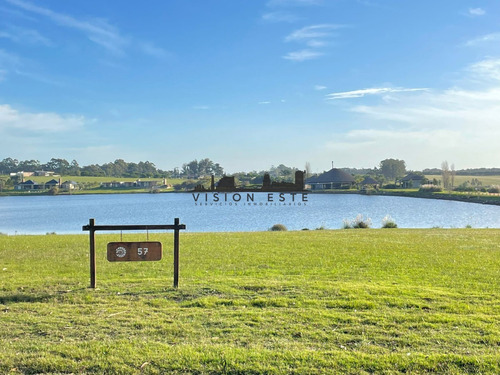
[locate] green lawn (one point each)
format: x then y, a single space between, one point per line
305 302
485 180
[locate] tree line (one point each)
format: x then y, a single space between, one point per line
118 168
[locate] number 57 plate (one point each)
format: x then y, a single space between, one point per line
134 251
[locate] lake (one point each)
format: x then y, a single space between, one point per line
203 213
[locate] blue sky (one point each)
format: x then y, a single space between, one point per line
251 83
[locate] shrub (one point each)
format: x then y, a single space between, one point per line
358 223
346 224
466 186
388 222
54 190
278 228
430 188
495 189
361 223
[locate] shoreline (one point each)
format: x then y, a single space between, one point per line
460 197
467 198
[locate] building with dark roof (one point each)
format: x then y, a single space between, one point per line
368 182
333 179
412 180
29 185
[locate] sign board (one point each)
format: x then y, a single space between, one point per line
134 251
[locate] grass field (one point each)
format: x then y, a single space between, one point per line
306 302
485 180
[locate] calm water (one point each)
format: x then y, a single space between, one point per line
67 214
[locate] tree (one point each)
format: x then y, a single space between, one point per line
308 169
453 173
92 170
29 165
190 170
392 169
8 165
74 169
204 167
445 173
59 166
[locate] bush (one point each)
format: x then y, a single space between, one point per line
54 190
346 224
278 228
358 223
466 186
388 222
430 188
494 189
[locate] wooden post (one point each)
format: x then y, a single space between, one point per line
92 228
92 253
176 252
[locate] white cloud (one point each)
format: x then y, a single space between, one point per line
13 64
314 43
488 38
373 91
320 87
312 32
303 55
27 36
264 103
458 124
315 37
97 30
477 12
48 122
279 17
486 69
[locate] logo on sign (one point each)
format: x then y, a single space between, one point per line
121 252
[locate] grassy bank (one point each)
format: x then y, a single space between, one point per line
469 197
344 301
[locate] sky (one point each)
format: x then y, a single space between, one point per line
251 83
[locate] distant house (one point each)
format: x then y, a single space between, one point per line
44 173
412 180
21 174
52 183
146 184
69 185
112 184
368 182
333 179
29 185
130 184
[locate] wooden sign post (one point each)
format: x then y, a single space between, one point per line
133 251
